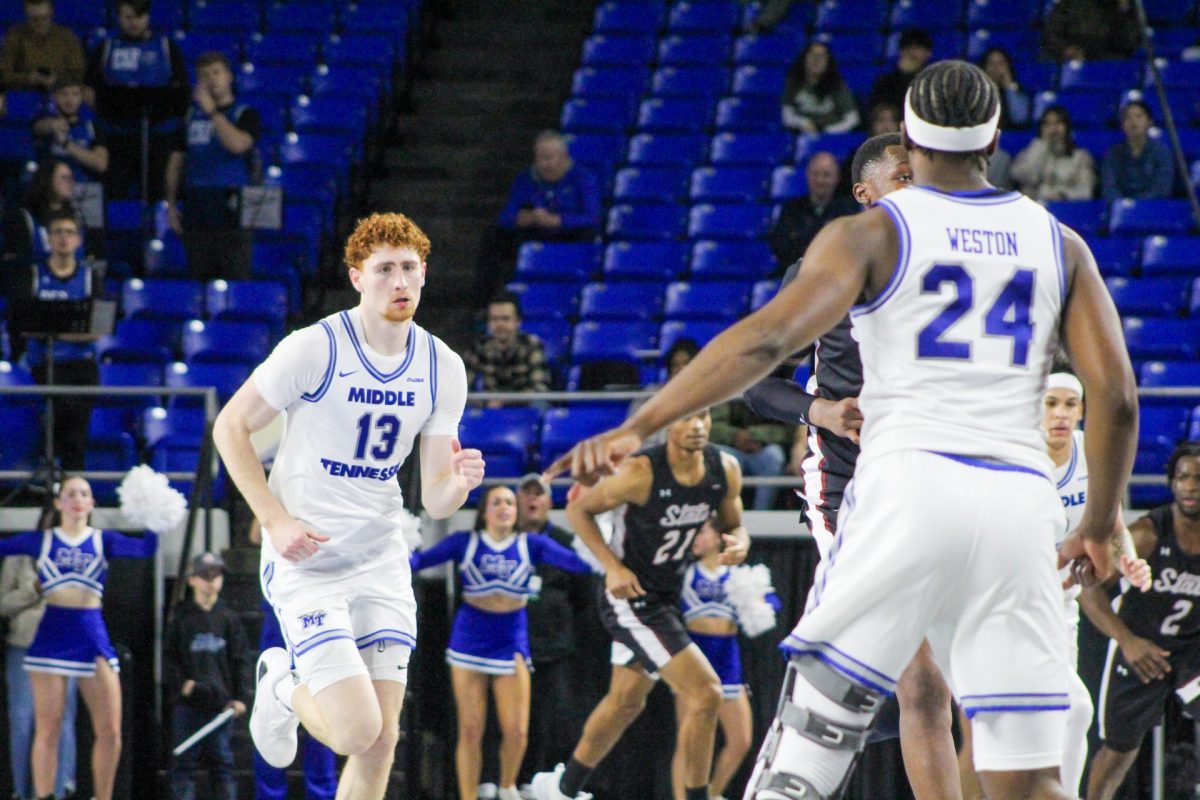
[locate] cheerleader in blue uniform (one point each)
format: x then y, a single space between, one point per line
71 641
712 616
489 642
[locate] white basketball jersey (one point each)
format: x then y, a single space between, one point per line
957 346
1072 480
351 415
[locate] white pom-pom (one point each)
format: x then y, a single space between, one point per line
747 590
410 529
148 501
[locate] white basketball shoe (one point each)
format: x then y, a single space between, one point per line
272 724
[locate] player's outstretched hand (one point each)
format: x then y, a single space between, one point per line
1148 660
735 551
294 540
1137 572
842 418
596 457
623 584
467 464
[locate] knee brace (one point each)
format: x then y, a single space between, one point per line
833 735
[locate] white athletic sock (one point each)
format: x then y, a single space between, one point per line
508 793
1075 745
823 767
285 687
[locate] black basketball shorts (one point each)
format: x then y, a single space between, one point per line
1130 708
650 627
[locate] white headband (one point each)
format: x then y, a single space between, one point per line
948 140
1064 380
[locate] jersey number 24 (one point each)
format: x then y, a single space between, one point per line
1008 316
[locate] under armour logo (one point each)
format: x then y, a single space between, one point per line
664 492
314 620
1164 551
1122 671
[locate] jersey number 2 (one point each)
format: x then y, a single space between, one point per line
388 426
1170 626
1008 316
671 539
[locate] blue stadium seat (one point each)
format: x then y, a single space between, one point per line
377 18
555 301
690 81
612 340
1194 427
858 47
1002 13
1143 217
729 221
752 80
1089 108
667 149
860 79
128 408
124 215
705 17
14 375
329 114
658 221
162 299
946 44
358 50
618 51
1171 255
1167 424
762 293
1116 255
1171 42
108 450
227 378
556 261
768 49
1085 216
841 145
1148 296
1014 40
555 335
797 17
16 146
275 79
650 184
183 424
728 184
1178 74
850 15
749 113
682 50
282 48
152 340
1169 373
23 107
193 43
647 261
767 149
1164 339
931 15
628 18
364 83
225 342
639 301
308 17
507 436
80 14
700 331
716 300
253 301
674 114
609 81
788 182
21 445
225 15
1194 299
1104 75
602 115
1095 140
595 148
741 260
563 427
1169 12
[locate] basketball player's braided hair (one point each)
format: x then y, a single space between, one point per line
953 94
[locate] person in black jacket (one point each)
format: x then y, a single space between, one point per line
208 669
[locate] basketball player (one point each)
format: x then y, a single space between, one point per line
960 294
920 711
666 494
1155 647
355 389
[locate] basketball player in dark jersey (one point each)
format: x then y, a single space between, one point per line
920 712
1155 647
662 496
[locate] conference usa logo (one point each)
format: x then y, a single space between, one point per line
312 619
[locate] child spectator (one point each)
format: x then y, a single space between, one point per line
207 663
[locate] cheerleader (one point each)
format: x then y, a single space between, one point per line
489 641
71 641
715 600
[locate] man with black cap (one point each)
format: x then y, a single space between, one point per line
208 669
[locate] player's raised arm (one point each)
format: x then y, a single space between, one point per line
1092 334
837 267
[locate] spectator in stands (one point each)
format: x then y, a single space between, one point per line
554 200
1052 167
22 604
681 351
68 132
1091 30
1014 101
52 192
38 52
760 445
141 88
999 173
770 15
815 98
883 118
214 157
800 218
1139 167
62 277
507 359
916 46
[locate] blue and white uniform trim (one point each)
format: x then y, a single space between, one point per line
1025 702
433 369
902 253
386 635
327 379
852 668
410 350
68 642
483 577
995 466
1071 465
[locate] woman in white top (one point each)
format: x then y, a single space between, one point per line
1052 167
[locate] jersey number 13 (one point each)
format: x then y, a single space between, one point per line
387 428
